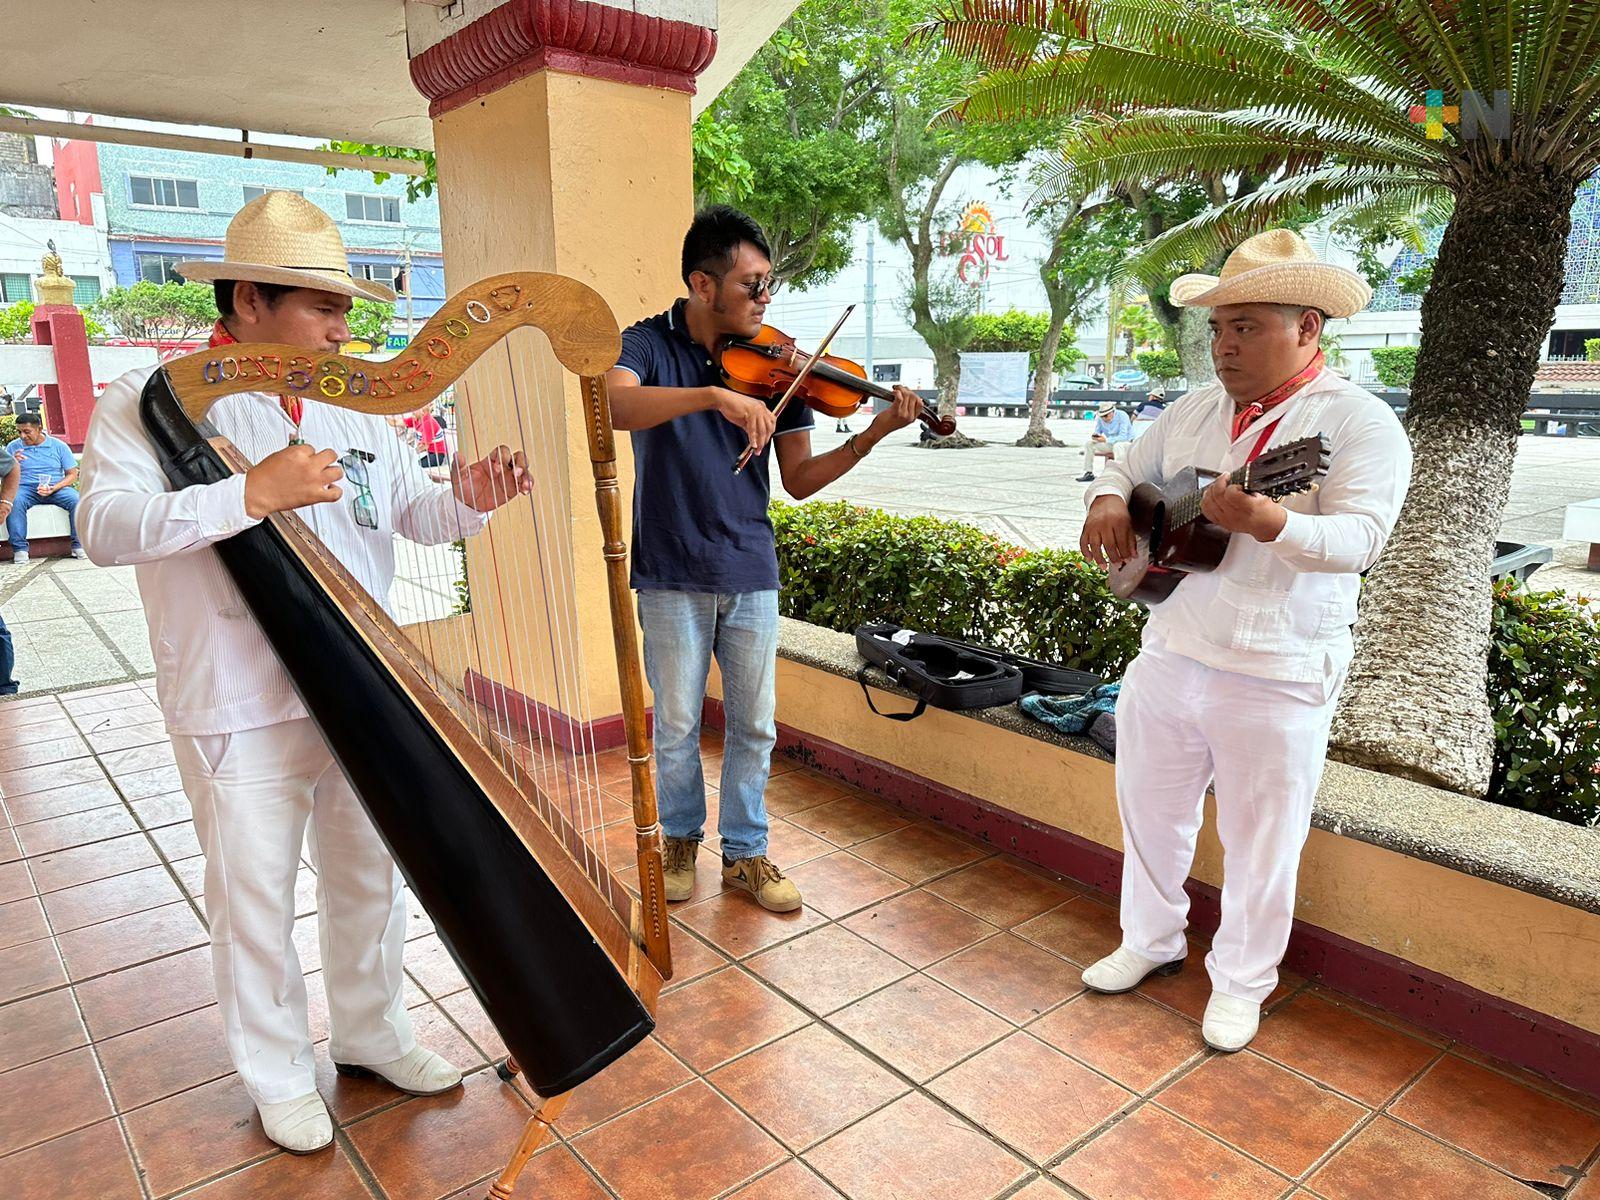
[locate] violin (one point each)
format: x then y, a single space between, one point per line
764 366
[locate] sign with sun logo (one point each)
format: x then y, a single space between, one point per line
976 242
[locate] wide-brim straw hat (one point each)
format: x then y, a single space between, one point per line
1275 267
285 239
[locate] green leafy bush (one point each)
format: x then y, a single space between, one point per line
1161 365
1544 686
841 565
1591 349
8 428
1395 365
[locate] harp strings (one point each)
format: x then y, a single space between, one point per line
566 641
538 567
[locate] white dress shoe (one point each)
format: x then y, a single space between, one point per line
420 1072
1230 1022
1122 970
300 1126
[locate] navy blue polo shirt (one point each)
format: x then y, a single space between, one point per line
697 527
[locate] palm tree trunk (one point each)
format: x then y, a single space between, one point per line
1039 401
1194 346
1416 703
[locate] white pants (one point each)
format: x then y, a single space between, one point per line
1104 449
1181 726
258 797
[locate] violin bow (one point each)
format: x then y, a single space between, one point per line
794 386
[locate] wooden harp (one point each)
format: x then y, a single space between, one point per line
483 793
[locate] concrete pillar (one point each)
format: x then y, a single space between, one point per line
562 130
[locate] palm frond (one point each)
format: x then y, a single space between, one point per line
999 34
1213 233
1117 80
1162 146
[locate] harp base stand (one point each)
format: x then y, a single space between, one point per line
534 1134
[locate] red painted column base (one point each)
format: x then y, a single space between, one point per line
69 401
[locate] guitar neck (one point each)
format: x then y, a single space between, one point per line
1187 506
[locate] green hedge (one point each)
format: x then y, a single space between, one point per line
1395 365
841 565
8 428
1544 684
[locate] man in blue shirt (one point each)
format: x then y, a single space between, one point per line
704 560
48 472
1112 428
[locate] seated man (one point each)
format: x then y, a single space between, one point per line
1112 428
48 472
1154 403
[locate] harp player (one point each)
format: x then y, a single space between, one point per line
258 775
704 562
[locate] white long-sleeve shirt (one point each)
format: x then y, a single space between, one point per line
215 671
1280 609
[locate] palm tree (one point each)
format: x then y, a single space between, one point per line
1317 97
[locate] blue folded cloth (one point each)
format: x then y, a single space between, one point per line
1071 714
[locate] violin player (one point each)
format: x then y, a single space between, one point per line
704 559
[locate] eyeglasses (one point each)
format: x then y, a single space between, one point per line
362 504
755 287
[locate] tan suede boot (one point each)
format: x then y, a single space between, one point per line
677 866
761 878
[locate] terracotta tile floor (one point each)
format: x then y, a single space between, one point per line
917 1030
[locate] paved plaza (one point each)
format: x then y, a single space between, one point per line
917 1030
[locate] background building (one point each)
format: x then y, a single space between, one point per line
160 207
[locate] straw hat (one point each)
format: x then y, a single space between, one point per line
1275 267
1106 409
285 239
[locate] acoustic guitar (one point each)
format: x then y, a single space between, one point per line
1173 539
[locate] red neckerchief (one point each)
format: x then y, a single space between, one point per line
292 408
1244 417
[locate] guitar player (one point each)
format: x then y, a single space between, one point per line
1257 650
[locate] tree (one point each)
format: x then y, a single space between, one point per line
163 315
790 140
417 186
1050 347
1329 113
1163 366
1139 326
16 322
1015 331
1087 243
1395 365
919 160
369 321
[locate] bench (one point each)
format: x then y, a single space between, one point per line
1582 524
49 533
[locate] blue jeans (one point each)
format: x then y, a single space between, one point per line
682 630
8 685
17 522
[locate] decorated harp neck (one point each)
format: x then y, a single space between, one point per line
582 332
